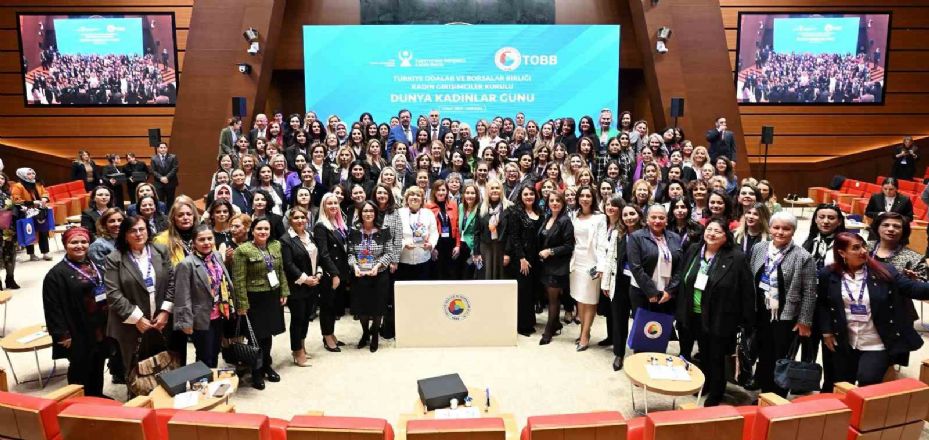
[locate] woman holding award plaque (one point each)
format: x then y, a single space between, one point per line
420 236
369 259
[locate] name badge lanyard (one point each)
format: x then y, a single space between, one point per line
269 264
703 270
149 281
445 223
855 305
96 279
663 247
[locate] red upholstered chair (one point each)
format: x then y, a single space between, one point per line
487 428
76 190
602 425
96 422
824 419
635 428
716 423
338 428
897 407
208 425
32 415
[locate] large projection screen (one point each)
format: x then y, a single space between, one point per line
466 72
789 58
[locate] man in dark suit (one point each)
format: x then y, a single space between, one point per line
889 200
164 167
436 130
405 132
722 141
260 130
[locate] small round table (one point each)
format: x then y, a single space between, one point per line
11 344
636 370
161 399
803 203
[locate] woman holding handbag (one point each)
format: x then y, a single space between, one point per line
860 312
139 283
261 292
29 194
301 265
203 288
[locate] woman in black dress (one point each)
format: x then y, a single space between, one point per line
74 300
556 238
369 257
522 248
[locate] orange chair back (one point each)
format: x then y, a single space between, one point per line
97 422
338 428
820 419
27 417
715 423
604 425
205 425
487 428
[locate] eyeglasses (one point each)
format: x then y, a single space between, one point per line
138 231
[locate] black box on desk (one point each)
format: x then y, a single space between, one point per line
437 392
175 381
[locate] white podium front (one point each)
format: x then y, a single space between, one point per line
455 313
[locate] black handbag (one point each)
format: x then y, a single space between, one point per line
797 376
243 353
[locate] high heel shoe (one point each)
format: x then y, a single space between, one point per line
272 375
335 349
567 318
580 347
365 338
339 344
300 358
546 339
374 343
617 363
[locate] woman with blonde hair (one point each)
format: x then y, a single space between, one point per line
330 234
642 194
420 236
753 227
491 231
178 238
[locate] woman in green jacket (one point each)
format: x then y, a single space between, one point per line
261 292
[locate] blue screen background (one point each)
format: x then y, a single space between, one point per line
837 35
99 36
353 69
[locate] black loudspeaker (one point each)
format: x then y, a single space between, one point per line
767 134
677 107
238 106
154 137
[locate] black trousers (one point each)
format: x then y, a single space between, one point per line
177 342
444 264
86 368
414 272
207 343
713 352
165 194
265 345
327 305
300 310
621 308
861 367
774 339
527 287
463 270
42 238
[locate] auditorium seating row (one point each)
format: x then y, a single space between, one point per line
892 410
853 196
67 199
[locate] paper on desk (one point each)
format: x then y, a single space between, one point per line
458 413
32 337
185 400
213 386
664 372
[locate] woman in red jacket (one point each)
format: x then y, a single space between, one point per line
446 220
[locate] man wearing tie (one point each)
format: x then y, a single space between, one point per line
260 130
164 167
436 131
404 132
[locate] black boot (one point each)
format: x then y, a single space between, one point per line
271 374
374 340
11 283
258 381
365 334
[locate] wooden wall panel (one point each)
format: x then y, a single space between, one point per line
60 132
814 142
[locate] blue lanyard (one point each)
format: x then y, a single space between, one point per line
269 259
148 272
770 266
848 290
96 279
665 250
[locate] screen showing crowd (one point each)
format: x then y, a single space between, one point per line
811 58
90 60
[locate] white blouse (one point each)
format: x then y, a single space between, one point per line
418 229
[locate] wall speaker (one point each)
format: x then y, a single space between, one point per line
767 134
154 137
238 106
677 107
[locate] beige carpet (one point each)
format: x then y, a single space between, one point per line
526 380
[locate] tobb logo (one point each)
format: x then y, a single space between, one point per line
507 59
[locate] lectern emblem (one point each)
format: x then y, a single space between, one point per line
405 57
457 307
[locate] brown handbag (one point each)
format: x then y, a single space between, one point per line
142 378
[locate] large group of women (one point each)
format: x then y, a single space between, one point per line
322 216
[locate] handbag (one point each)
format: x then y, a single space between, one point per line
25 232
797 376
243 353
650 331
142 379
45 221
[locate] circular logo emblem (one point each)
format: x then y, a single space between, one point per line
652 329
28 228
507 59
457 307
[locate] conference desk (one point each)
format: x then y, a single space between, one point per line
455 313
